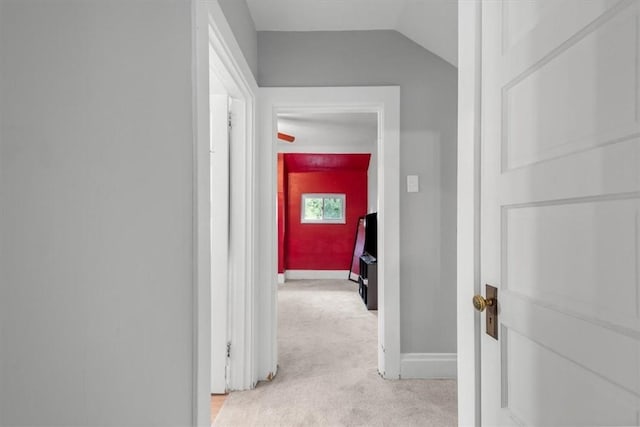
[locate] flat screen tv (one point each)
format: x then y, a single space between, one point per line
371 234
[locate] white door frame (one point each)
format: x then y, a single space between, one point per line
220 207
468 263
216 50
385 101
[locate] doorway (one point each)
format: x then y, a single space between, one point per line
327 182
224 94
327 154
253 242
384 102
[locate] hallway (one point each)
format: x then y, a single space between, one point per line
327 369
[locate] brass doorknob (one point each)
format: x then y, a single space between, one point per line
480 303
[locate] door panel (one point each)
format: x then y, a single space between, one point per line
553 110
552 256
609 352
219 241
560 209
566 393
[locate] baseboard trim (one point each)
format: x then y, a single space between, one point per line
428 365
280 278
317 274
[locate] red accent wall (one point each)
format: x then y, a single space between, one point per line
282 197
319 246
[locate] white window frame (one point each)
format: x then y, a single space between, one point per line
323 196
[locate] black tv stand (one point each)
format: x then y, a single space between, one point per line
368 281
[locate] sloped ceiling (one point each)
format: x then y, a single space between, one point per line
433 24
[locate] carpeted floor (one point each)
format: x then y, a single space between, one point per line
327 370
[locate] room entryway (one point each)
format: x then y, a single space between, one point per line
384 103
328 369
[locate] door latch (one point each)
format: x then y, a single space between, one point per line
491 305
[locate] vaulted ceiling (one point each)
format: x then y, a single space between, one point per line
433 24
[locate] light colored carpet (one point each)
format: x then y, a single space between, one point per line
327 372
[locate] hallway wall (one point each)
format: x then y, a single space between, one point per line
244 30
96 226
428 143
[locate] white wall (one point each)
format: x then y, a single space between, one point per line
244 30
96 183
330 131
428 143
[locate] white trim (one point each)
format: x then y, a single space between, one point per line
281 278
201 219
468 239
385 101
212 34
219 173
428 365
316 274
235 73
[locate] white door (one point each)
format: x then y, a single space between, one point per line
219 241
560 216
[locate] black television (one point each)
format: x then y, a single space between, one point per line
371 234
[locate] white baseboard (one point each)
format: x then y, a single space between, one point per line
428 365
280 278
317 274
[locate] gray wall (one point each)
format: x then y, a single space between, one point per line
428 142
244 30
96 246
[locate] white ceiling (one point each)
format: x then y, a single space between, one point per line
433 24
333 132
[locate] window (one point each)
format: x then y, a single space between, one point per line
323 208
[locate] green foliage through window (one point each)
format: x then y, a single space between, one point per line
313 208
323 208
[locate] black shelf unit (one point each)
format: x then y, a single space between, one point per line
368 281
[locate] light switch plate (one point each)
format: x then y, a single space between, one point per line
413 185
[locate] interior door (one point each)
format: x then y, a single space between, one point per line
219 242
560 216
